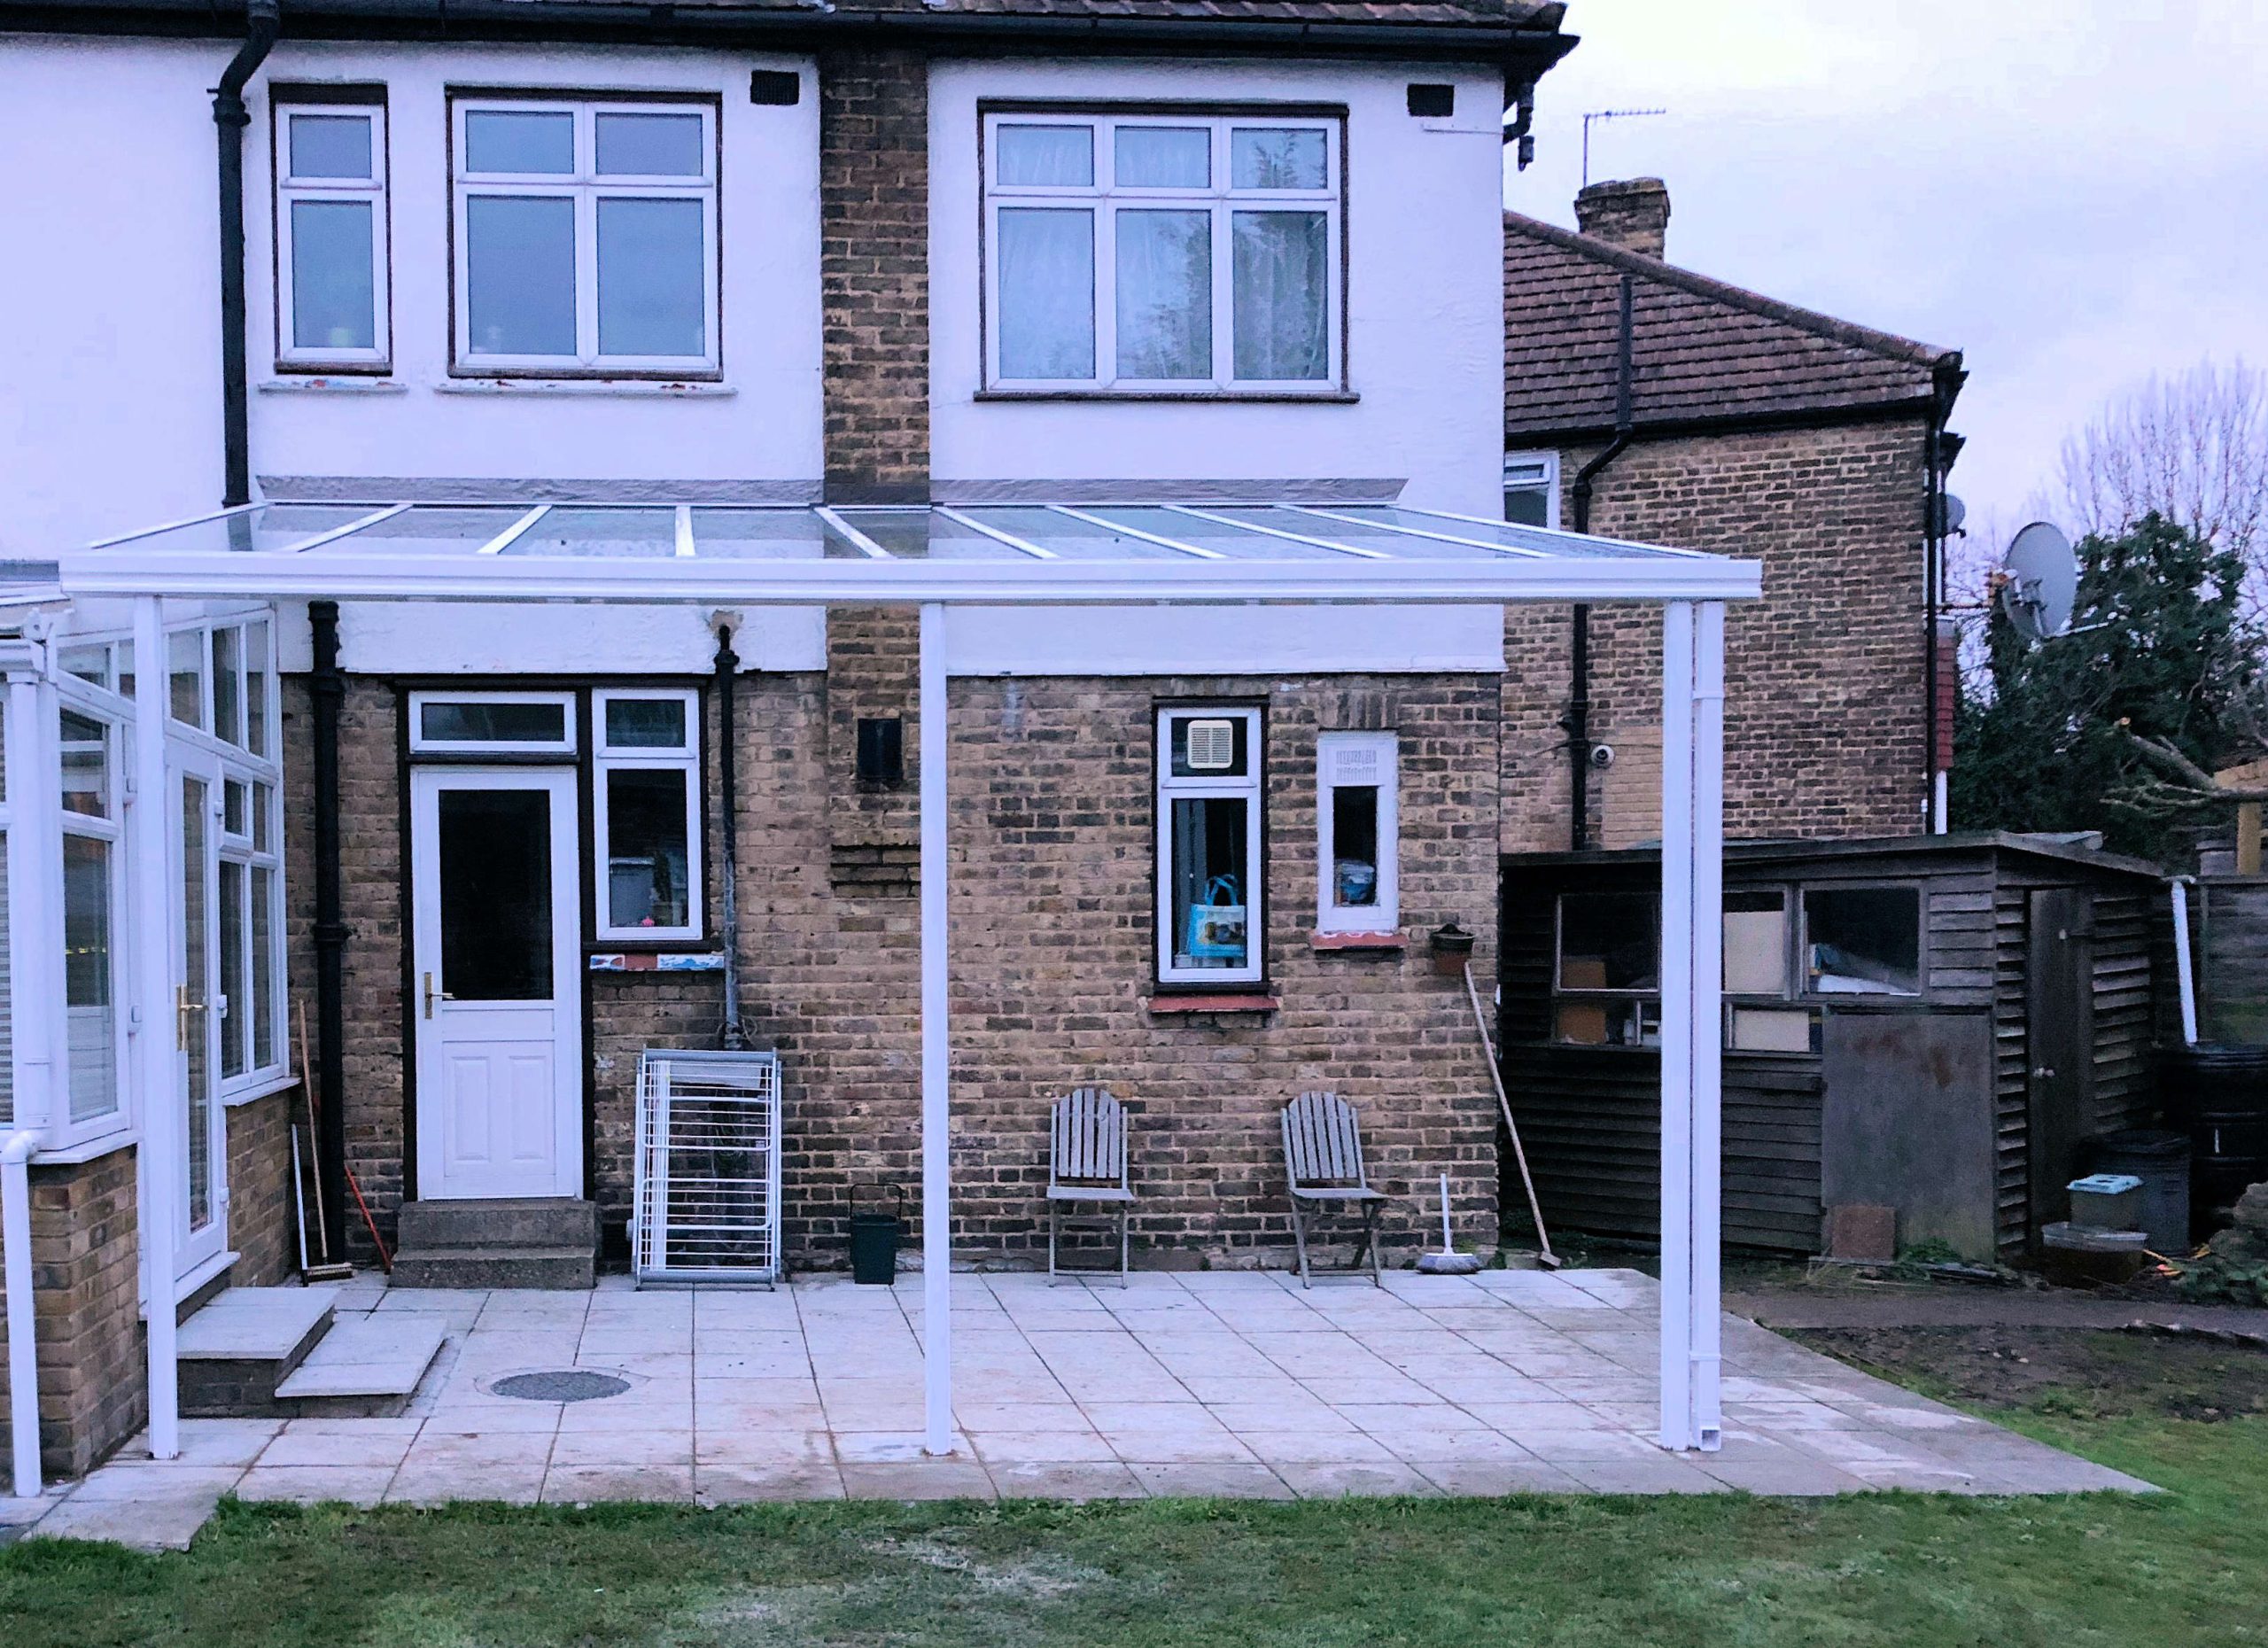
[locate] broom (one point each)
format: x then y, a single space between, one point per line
1546 1258
306 1085
325 1269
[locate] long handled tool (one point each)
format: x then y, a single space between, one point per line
325 1269
307 1084
1546 1258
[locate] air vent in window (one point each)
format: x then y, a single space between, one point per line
1212 746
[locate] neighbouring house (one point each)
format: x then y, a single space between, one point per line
619 464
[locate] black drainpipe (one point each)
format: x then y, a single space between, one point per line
327 688
230 117
1579 651
730 1035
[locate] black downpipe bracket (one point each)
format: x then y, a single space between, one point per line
229 119
1579 648
327 688
732 1035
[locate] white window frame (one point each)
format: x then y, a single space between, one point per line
291 188
420 744
609 758
1383 750
1252 785
1106 200
585 186
65 1130
1533 469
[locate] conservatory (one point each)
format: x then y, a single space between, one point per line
148 668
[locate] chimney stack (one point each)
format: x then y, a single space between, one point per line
1633 215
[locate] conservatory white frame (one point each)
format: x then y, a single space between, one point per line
1280 554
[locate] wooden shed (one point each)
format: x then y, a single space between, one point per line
1935 1023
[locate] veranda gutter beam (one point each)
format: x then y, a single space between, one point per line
23 1353
155 1022
936 1051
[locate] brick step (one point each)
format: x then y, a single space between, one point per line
232 1355
365 1368
506 1221
561 1267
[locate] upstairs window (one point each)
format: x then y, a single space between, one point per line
1531 488
1209 916
585 237
1163 254
331 235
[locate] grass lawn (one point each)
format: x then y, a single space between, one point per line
2187 1566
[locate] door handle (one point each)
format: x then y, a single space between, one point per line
433 995
184 1007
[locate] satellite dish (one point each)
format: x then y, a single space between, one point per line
2040 583
1951 513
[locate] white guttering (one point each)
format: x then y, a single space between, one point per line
2185 976
23 1352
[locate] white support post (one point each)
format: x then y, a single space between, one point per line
937 1052
148 946
1677 1017
1706 1141
32 935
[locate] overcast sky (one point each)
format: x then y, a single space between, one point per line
2073 192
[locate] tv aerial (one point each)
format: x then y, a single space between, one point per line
1594 115
2040 582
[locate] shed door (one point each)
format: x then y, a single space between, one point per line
2060 1046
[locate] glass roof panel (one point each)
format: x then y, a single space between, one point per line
641 531
1069 536
923 534
764 534
429 529
271 526
1232 541
1373 534
1390 517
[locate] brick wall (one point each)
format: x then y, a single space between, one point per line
263 1215
1824 712
875 273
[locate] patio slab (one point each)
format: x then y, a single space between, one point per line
1215 1384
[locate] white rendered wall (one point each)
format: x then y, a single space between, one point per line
1424 228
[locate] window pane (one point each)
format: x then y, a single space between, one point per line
1211 878
497 140
1772 1030
1355 845
645 723
1210 746
227 680
1608 941
197 989
260 841
1282 276
266 944
650 298
649 145
1608 1024
330 145
1272 157
1863 941
90 1028
235 807
1047 294
256 687
334 298
1163 157
1756 945
86 767
474 721
520 273
185 667
495 890
238 1022
1527 505
1165 294
646 863
1047 156
89 663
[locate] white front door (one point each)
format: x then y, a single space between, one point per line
202 1232
497 988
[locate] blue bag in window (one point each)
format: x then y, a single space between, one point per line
1215 927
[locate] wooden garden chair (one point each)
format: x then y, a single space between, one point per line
1087 1164
1323 1157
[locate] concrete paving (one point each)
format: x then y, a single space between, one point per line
1237 1384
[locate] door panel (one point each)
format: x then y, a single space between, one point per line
203 1233
2059 1044
496 957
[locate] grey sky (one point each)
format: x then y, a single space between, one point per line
2073 192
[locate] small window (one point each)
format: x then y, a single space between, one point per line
186 672
1357 821
882 753
1209 915
1608 972
331 235
645 781
1162 252
1862 941
492 723
1756 944
1531 488
585 237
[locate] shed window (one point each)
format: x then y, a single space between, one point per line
1862 941
1609 970
1209 917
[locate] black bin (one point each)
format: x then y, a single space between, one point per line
874 1236
2160 1158
2217 1092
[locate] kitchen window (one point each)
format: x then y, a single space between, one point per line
646 784
1163 254
1211 926
331 233
1357 825
585 237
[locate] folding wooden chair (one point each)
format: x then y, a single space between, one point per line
1087 1163
1323 1157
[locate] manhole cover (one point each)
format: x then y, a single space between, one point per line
561 1385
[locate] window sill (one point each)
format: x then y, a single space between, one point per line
1212 1001
264 1087
658 962
1359 943
1182 396
632 388
88 1149
334 384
